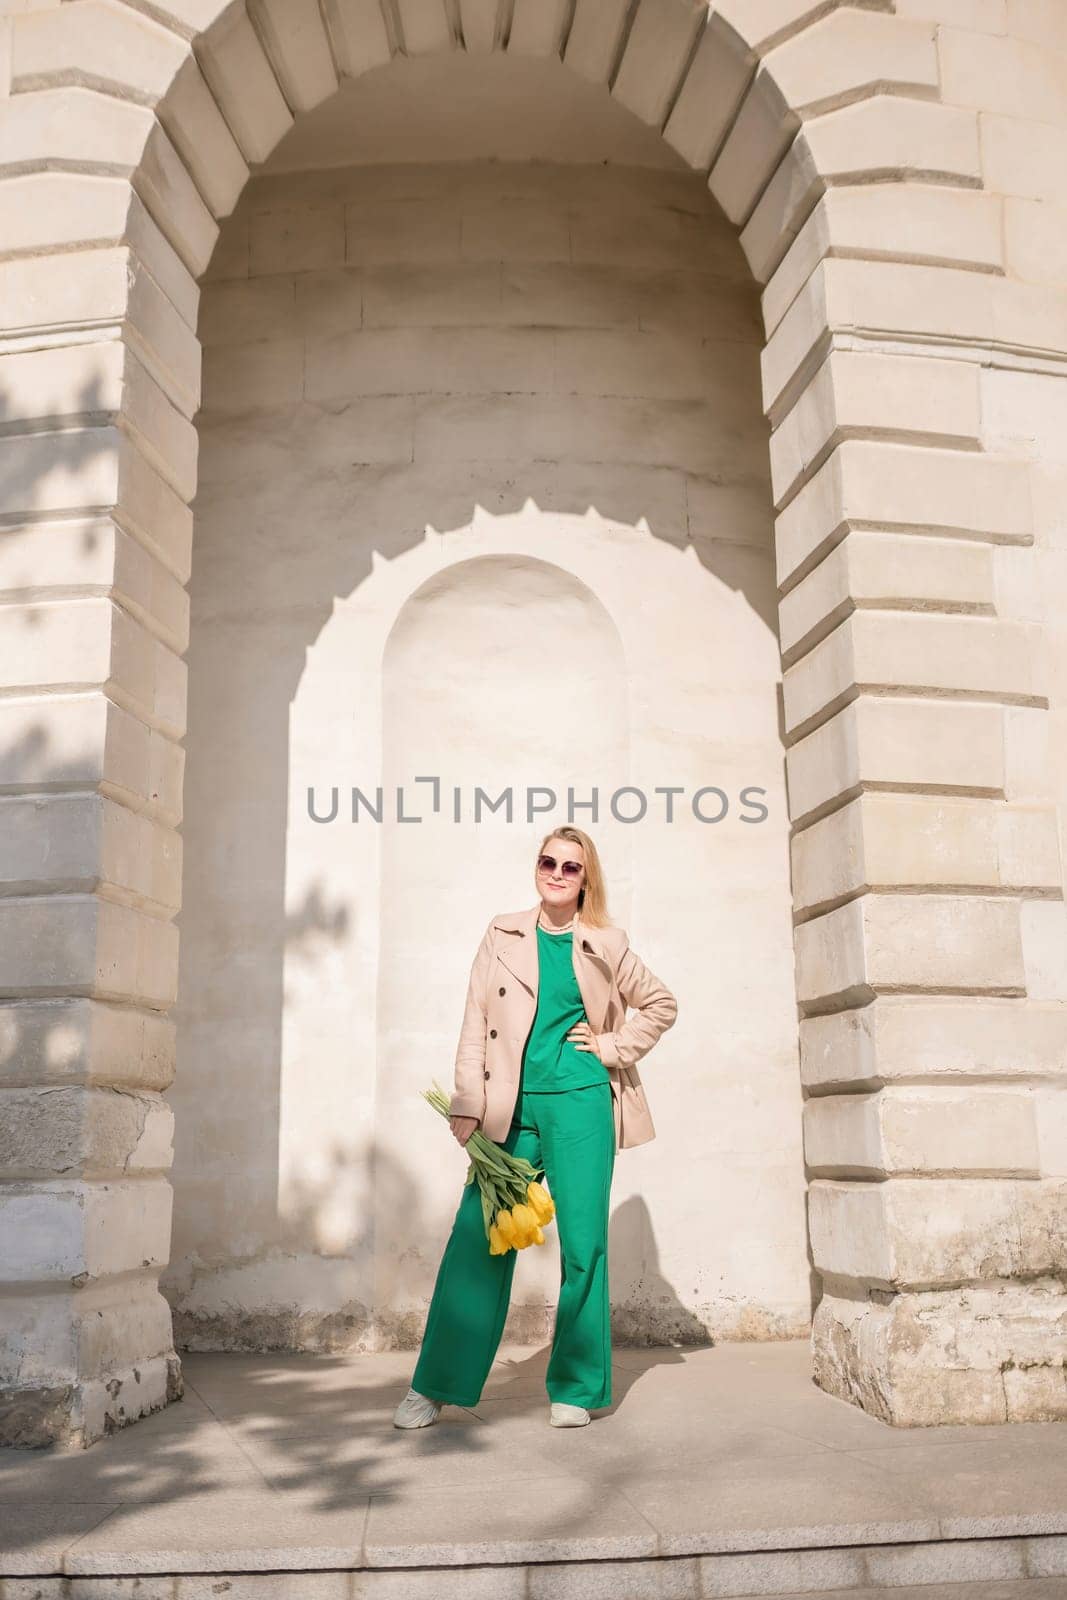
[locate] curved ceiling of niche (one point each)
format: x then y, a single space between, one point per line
461 107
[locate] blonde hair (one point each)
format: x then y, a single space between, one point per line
592 896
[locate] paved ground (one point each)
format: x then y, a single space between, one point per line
727 1461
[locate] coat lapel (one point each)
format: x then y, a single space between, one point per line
517 949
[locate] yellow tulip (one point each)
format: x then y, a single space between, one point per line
527 1225
541 1202
498 1245
506 1224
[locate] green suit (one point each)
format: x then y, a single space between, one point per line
563 1124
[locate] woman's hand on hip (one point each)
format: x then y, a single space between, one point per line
583 1038
463 1127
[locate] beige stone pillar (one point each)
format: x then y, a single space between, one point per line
99 375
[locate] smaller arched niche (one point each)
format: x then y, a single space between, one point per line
503 673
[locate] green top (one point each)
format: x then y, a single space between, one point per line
551 1061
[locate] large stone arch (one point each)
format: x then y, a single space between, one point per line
923 834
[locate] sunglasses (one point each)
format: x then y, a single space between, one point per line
569 869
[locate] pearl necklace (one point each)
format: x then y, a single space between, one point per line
564 929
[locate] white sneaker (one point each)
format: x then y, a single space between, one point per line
563 1415
416 1411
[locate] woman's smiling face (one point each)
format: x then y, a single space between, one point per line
559 887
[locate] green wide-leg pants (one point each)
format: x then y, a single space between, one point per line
569 1135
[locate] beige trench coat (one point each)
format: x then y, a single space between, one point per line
502 1002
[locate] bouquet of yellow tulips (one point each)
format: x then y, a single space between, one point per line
514 1204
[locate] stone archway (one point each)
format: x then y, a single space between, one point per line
910 706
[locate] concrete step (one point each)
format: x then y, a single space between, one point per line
717 1473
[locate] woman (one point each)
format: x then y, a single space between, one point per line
542 1046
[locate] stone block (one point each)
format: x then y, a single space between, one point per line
918 1130
955 747
53 944
425 27
163 340
892 297
714 86
100 41
65 382
1050 1114
872 138
358 31
870 568
897 486
90 642
74 843
379 231
1023 157
452 361
1031 316
201 135
86 738
919 652
83 1336
36 289
240 77
73 124
84 1229
610 361
244 378
932 1232
48 1131
307 240
934 1039
1027 753
1002 74
669 240
596 37
916 222
915 942
85 1041
1035 241
761 132
479 22
658 46
963 1353
1044 933
537 27
427 296
99 467
298 48
850 50
863 393
880 841
254 309
605 429
518 230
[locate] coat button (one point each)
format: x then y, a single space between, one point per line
501 991
492 1033
487 1074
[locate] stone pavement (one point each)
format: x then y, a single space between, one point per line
717 1472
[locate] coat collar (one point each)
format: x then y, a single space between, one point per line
517 949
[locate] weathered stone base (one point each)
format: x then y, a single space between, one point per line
342 1333
996 1352
77 1365
75 1416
